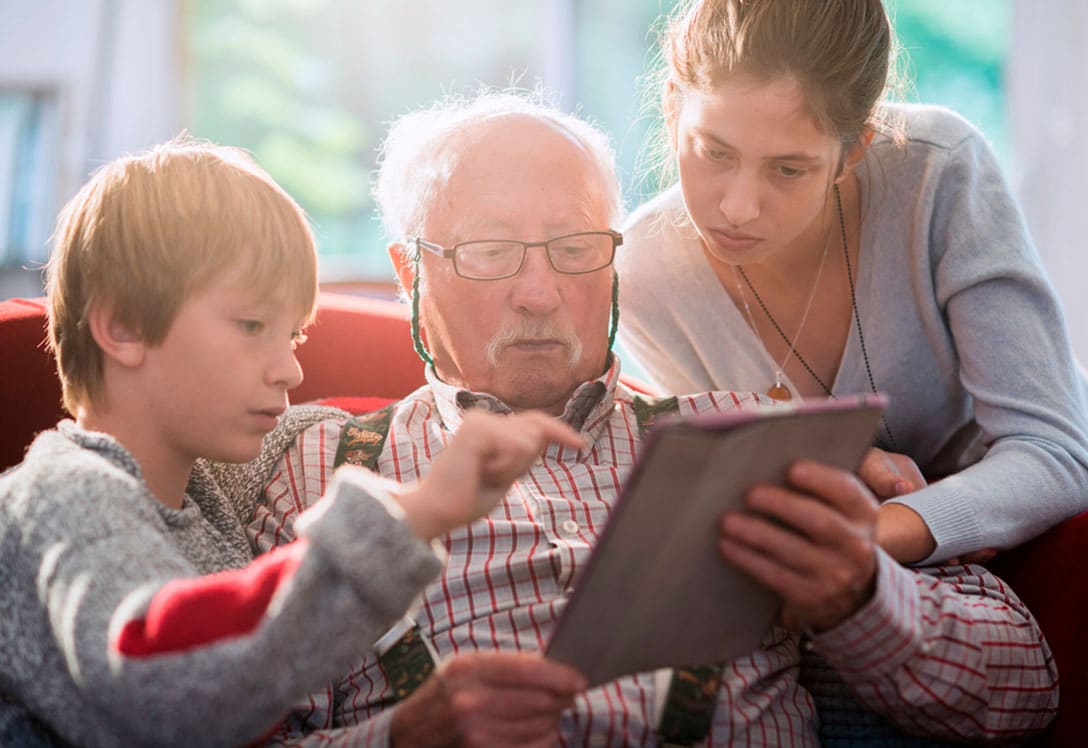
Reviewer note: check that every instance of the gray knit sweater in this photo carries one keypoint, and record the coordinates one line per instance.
(962, 330)
(85, 548)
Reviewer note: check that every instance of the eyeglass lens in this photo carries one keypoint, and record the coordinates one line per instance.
(574, 254)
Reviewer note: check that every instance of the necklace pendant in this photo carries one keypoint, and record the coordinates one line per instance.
(780, 392)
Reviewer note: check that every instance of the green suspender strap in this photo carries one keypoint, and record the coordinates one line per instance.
(693, 691)
(362, 439)
(408, 662)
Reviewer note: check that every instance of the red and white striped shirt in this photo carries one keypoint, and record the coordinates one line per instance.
(951, 652)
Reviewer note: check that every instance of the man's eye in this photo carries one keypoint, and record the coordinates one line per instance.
(488, 252)
(571, 250)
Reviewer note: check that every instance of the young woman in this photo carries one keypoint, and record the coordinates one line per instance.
(820, 242)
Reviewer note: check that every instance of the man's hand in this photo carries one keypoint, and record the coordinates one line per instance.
(813, 542)
(477, 467)
(488, 699)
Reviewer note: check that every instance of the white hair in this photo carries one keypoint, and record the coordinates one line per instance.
(414, 163)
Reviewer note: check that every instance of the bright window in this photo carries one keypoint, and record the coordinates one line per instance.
(309, 85)
(28, 140)
(955, 54)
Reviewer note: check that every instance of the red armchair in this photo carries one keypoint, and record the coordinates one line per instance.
(359, 351)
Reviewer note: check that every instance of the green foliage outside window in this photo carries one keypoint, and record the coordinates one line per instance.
(308, 85)
(955, 54)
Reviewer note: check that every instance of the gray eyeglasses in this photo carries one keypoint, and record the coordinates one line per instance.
(495, 259)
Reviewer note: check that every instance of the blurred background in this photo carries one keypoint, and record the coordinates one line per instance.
(309, 85)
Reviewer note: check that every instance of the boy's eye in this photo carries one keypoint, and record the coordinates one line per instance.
(298, 337)
(251, 326)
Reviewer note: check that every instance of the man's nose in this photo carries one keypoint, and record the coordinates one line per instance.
(536, 286)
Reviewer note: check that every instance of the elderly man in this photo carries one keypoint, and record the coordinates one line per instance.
(503, 211)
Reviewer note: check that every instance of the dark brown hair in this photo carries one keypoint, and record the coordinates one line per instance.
(841, 52)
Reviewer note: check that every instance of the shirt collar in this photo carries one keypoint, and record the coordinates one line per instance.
(586, 410)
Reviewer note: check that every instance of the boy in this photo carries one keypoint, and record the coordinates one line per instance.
(133, 613)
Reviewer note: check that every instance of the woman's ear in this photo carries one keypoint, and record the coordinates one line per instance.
(854, 154)
(400, 256)
(670, 107)
(116, 338)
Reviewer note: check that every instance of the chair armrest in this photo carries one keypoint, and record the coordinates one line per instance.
(1050, 574)
(358, 347)
(29, 387)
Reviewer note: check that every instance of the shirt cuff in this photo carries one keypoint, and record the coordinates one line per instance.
(884, 633)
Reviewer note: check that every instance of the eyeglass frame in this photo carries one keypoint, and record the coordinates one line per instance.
(451, 252)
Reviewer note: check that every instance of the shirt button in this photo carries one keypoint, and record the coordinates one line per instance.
(569, 528)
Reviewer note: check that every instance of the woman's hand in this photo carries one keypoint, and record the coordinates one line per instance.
(890, 474)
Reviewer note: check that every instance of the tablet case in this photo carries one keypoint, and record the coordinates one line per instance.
(655, 592)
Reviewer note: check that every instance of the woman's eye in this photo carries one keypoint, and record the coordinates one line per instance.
(790, 172)
(711, 154)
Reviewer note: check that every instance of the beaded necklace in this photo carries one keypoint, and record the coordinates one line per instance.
(779, 391)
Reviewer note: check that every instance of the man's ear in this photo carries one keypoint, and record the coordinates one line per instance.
(400, 256)
(116, 339)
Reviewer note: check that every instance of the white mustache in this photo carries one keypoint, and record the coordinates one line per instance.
(533, 330)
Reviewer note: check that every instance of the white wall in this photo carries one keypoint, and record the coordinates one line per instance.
(107, 107)
(1048, 103)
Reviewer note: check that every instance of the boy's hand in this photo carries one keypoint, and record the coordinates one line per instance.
(478, 466)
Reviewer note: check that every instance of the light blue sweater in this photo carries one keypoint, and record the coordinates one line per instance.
(963, 331)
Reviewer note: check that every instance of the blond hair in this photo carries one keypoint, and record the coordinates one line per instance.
(842, 54)
(148, 231)
(415, 160)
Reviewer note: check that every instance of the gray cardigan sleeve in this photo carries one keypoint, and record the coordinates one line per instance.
(355, 570)
(1015, 362)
